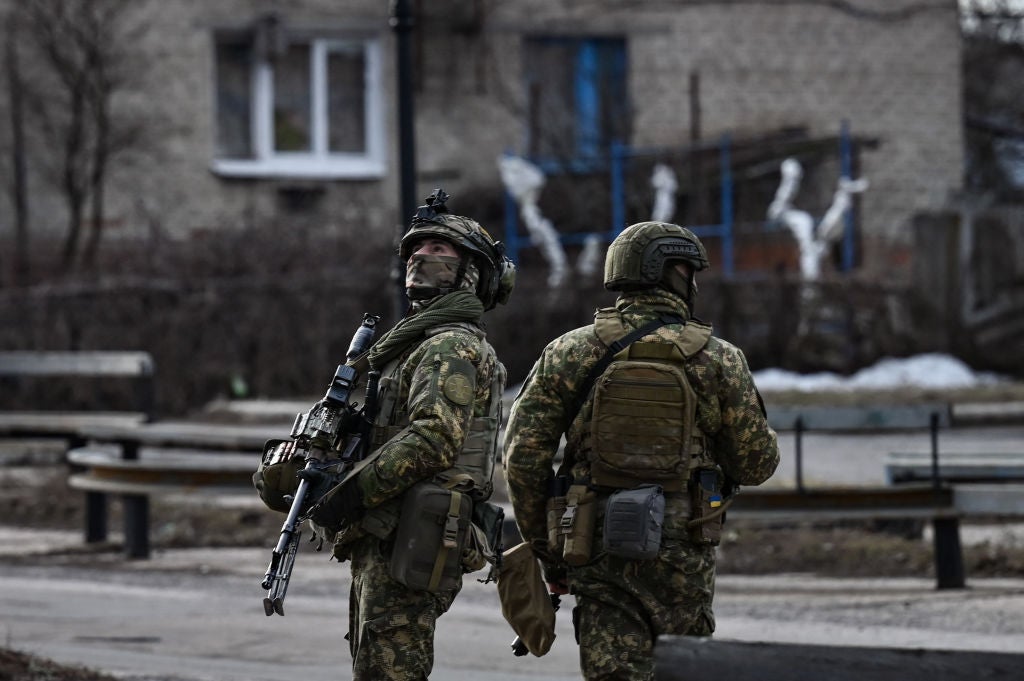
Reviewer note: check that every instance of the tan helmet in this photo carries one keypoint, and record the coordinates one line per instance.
(636, 258)
(497, 272)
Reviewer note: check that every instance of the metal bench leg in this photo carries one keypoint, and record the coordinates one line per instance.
(95, 517)
(136, 525)
(949, 559)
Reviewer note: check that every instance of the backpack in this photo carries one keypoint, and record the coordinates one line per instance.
(642, 428)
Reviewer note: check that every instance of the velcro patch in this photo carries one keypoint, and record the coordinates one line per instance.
(458, 388)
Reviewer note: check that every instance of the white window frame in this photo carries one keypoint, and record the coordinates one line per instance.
(318, 163)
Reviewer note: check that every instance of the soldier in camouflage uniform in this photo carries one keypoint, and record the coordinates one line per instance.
(444, 380)
(623, 605)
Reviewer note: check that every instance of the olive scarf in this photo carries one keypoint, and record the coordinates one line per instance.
(458, 306)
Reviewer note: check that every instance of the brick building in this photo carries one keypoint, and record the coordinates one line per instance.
(284, 113)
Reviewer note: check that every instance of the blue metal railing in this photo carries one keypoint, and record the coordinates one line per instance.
(618, 159)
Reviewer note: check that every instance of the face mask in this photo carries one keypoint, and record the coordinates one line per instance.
(683, 286)
(427, 276)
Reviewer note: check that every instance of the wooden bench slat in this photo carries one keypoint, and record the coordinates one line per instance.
(89, 363)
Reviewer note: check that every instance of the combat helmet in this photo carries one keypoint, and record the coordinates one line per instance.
(497, 272)
(637, 257)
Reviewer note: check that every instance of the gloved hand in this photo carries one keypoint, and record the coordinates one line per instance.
(344, 506)
(320, 483)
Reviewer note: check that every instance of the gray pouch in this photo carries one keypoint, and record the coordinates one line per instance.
(632, 522)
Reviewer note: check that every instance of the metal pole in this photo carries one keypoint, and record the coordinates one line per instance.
(402, 23)
(799, 437)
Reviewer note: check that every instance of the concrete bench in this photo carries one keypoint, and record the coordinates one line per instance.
(904, 467)
(136, 462)
(55, 421)
(48, 421)
(924, 417)
(911, 502)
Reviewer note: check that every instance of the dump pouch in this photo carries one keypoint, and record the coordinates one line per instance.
(578, 524)
(432, 533)
(525, 602)
(633, 520)
(707, 515)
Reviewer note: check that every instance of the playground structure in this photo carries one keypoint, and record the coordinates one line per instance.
(723, 227)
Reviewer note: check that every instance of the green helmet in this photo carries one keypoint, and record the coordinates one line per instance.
(497, 272)
(637, 257)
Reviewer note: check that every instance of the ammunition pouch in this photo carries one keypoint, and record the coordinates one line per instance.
(577, 524)
(633, 521)
(432, 533)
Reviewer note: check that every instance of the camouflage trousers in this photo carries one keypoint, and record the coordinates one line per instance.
(391, 627)
(622, 606)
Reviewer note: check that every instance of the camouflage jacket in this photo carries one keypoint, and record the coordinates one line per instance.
(730, 413)
(442, 383)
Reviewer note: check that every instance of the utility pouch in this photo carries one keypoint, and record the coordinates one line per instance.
(432, 533)
(558, 487)
(707, 516)
(577, 524)
(556, 533)
(633, 520)
(485, 538)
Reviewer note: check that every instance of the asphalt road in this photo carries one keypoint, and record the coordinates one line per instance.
(196, 615)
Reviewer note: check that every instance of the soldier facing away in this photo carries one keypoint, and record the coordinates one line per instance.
(433, 449)
(662, 421)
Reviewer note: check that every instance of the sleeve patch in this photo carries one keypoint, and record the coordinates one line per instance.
(458, 388)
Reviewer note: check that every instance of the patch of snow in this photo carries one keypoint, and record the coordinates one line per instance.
(932, 370)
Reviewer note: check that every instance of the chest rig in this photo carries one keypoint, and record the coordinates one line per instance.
(473, 471)
(642, 427)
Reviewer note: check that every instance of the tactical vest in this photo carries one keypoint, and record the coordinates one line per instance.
(642, 427)
(473, 471)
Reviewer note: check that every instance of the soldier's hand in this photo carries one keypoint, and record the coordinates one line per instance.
(320, 483)
(344, 506)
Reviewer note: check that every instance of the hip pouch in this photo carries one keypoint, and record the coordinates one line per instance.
(577, 524)
(431, 535)
(632, 522)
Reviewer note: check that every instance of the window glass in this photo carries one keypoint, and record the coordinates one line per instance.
(346, 88)
(310, 109)
(234, 100)
(577, 95)
(292, 96)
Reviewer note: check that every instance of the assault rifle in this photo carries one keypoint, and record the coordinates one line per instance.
(318, 436)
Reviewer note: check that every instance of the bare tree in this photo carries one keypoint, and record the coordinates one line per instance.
(83, 49)
(18, 186)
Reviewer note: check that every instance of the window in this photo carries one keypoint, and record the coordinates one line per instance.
(298, 107)
(578, 99)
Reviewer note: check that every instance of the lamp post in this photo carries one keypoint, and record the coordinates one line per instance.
(402, 23)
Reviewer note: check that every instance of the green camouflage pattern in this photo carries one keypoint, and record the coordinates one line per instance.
(391, 627)
(443, 382)
(438, 424)
(624, 605)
